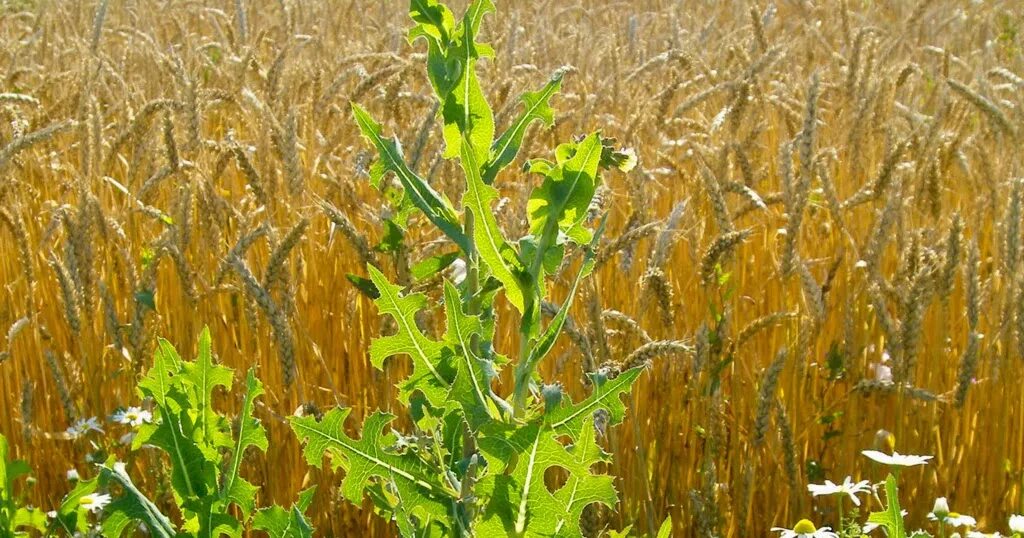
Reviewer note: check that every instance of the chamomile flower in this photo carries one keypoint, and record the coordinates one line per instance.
(940, 509)
(848, 487)
(83, 426)
(896, 459)
(133, 416)
(94, 502)
(805, 529)
(976, 534)
(1017, 523)
(954, 519)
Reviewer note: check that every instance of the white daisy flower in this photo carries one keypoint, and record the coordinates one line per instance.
(848, 487)
(896, 459)
(83, 426)
(1017, 523)
(73, 475)
(976, 534)
(805, 529)
(52, 514)
(954, 519)
(941, 508)
(94, 502)
(133, 416)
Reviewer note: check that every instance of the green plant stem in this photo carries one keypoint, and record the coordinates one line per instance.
(842, 526)
(524, 370)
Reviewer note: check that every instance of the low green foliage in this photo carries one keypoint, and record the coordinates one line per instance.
(205, 455)
(16, 519)
(475, 462)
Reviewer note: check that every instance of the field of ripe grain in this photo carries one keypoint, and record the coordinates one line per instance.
(822, 240)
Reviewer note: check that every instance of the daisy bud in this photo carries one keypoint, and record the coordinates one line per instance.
(941, 508)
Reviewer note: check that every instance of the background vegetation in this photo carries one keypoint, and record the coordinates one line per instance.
(840, 181)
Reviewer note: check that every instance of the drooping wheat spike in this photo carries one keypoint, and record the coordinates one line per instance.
(972, 281)
(667, 237)
(275, 276)
(755, 22)
(241, 246)
(720, 248)
(987, 107)
(290, 155)
(348, 229)
(242, 21)
(968, 366)
(665, 58)
(629, 323)
(252, 177)
(720, 210)
(27, 408)
(62, 385)
(951, 257)
(26, 141)
(597, 332)
(278, 321)
(170, 146)
(110, 319)
(1011, 239)
(17, 229)
(625, 241)
(766, 396)
(812, 293)
(69, 293)
(656, 284)
(652, 350)
(186, 278)
(916, 302)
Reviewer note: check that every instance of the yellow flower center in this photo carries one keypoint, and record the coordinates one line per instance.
(953, 515)
(86, 501)
(804, 526)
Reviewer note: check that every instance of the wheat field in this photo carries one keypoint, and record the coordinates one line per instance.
(822, 239)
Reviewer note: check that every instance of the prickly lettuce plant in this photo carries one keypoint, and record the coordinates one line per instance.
(205, 454)
(476, 460)
(16, 519)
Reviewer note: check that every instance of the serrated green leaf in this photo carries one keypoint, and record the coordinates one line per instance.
(161, 382)
(433, 265)
(500, 258)
(193, 470)
(132, 506)
(520, 503)
(468, 119)
(892, 517)
(472, 386)
(568, 188)
(431, 375)
(236, 489)
(203, 376)
(438, 210)
(570, 418)
(369, 459)
(537, 107)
